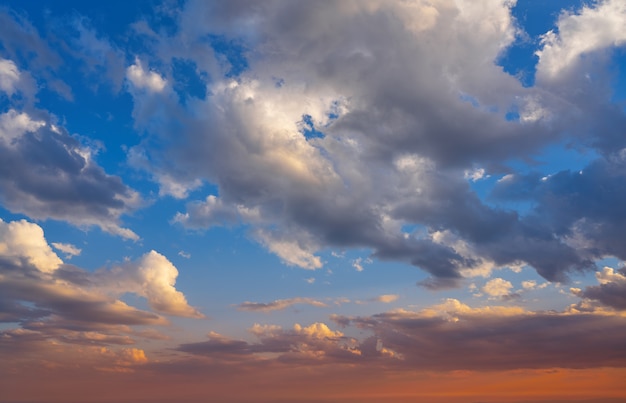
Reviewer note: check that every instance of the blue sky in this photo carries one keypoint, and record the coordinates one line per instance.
(199, 185)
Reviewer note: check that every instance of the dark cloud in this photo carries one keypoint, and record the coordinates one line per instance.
(310, 344)
(400, 122)
(494, 342)
(46, 173)
(610, 292)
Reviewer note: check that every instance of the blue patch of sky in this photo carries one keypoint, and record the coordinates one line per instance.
(232, 52)
(188, 83)
(308, 129)
(554, 158)
(535, 17)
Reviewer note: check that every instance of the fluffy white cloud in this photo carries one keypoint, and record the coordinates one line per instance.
(292, 251)
(23, 243)
(610, 275)
(152, 276)
(9, 76)
(497, 287)
(595, 27)
(145, 79)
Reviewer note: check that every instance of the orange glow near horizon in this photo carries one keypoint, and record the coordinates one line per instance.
(322, 384)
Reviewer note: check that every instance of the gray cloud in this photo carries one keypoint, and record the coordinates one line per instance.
(279, 304)
(404, 98)
(399, 126)
(53, 302)
(463, 339)
(46, 173)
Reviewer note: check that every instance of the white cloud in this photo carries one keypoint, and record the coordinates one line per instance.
(22, 242)
(609, 275)
(292, 251)
(9, 76)
(386, 298)
(14, 124)
(152, 276)
(497, 287)
(593, 28)
(69, 249)
(475, 175)
(529, 284)
(145, 79)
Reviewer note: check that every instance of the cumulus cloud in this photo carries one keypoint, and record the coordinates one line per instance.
(344, 187)
(145, 79)
(55, 302)
(152, 276)
(47, 173)
(23, 244)
(309, 152)
(593, 28)
(497, 287)
(611, 291)
(378, 162)
(279, 304)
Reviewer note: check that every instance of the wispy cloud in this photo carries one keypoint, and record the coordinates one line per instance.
(279, 304)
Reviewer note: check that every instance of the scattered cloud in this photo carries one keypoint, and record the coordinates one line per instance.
(58, 303)
(145, 80)
(279, 304)
(68, 249)
(497, 287)
(386, 298)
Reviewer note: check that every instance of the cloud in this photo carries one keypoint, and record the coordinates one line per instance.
(145, 80)
(386, 298)
(454, 336)
(23, 244)
(9, 76)
(497, 287)
(69, 249)
(53, 302)
(592, 28)
(279, 304)
(152, 276)
(450, 336)
(611, 291)
(316, 343)
(337, 190)
(309, 152)
(46, 173)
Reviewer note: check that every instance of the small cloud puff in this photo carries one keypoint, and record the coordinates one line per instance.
(143, 79)
(279, 304)
(497, 287)
(69, 249)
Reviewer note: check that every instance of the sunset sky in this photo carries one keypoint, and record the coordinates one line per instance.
(350, 201)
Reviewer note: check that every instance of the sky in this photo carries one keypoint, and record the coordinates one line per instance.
(312, 201)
